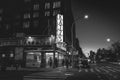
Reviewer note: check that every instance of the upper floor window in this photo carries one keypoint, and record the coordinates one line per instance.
(26, 15)
(27, 0)
(1, 11)
(7, 26)
(47, 5)
(26, 24)
(55, 12)
(47, 13)
(35, 23)
(36, 7)
(35, 14)
(0, 18)
(56, 4)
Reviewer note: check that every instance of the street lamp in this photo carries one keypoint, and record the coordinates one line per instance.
(85, 17)
(108, 39)
(79, 18)
(111, 40)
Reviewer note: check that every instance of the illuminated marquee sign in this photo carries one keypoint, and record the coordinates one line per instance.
(59, 29)
(59, 33)
(38, 41)
(9, 42)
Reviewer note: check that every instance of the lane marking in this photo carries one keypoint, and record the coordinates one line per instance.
(111, 70)
(68, 74)
(86, 70)
(97, 70)
(114, 68)
(91, 70)
(110, 75)
(104, 70)
(79, 70)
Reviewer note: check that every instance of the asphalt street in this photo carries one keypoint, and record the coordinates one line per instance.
(102, 71)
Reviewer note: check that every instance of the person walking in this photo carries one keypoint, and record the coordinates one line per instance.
(50, 62)
(56, 62)
(67, 63)
(79, 64)
(63, 62)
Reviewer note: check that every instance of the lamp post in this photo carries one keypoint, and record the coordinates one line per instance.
(108, 39)
(85, 17)
(78, 18)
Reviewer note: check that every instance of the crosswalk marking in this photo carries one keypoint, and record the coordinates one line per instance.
(43, 78)
(111, 70)
(108, 71)
(115, 68)
(103, 69)
(97, 70)
(80, 70)
(91, 70)
(35, 79)
(86, 70)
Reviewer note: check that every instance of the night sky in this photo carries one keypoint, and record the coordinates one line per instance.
(103, 23)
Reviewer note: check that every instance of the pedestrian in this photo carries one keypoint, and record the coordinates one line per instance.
(67, 63)
(63, 62)
(79, 64)
(50, 62)
(56, 62)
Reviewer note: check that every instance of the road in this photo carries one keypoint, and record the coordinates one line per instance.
(102, 71)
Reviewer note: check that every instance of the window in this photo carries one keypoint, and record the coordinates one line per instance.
(1, 11)
(36, 23)
(0, 18)
(26, 24)
(56, 4)
(36, 7)
(36, 15)
(47, 13)
(55, 12)
(27, 0)
(26, 15)
(7, 26)
(47, 5)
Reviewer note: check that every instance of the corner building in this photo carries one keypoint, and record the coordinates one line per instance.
(41, 29)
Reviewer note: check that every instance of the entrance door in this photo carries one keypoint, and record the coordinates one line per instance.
(33, 59)
(48, 56)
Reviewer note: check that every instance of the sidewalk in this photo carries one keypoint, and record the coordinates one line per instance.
(30, 69)
(54, 74)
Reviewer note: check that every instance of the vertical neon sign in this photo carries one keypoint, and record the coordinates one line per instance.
(59, 29)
